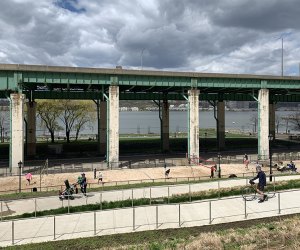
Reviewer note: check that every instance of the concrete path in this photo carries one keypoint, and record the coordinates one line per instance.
(145, 218)
(16, 207)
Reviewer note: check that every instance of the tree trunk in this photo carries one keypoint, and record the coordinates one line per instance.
(68, 136)
(77, 134)
(52, 136)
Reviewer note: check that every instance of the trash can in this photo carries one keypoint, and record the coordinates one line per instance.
(34, 189)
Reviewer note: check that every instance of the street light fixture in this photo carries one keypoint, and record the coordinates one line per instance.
(271, 138)
(20, 163)
(219, 161)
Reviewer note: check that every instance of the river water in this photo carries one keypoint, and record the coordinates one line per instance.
(145, 122)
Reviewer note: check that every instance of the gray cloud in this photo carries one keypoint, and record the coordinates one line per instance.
(267, 15)
(230, 36)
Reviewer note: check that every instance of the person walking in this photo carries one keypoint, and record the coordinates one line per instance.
(95, 173)
(212, 171)
(246, 161)
(83, 184)
(28, 177)
(100, 177)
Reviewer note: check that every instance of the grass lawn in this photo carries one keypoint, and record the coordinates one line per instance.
(141, 143)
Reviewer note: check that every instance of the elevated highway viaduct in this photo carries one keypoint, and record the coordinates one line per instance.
(23, 84)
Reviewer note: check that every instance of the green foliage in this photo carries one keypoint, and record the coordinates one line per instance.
(49, 112)
(156, 246)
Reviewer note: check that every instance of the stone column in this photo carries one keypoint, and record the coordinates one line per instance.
(113, 127)
(193, 140)
(221, 124)
(263, 124)
(165, 126)
(272, 119)
(103, 127)
(16, 153)
(31, 128)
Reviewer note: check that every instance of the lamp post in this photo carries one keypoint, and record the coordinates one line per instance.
(142, 52)
(20, 163)
(219, 162)
(205, 144)
(270, 154)
(282, 56)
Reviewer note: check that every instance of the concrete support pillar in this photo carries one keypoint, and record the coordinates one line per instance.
(103, 127)
(113, 126)
(16, 153)
(221, 124)
(165, 127)
(193, 140)
(263, 124)
(272, 122)
(31, 128)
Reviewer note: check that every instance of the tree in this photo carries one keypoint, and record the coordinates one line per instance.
(86, 117)
(287, 119)
(2, 125)
(277, 123)
(295, 120)
(74, 115)
(49, 112)
(254, 121)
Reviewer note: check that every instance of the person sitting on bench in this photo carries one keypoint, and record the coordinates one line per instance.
(292, 166)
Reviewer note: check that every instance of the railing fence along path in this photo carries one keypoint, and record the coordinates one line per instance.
(154, 194)
(142, 218)
(151, 163)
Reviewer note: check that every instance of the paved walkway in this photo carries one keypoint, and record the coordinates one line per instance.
(145, 218)
(16, 207)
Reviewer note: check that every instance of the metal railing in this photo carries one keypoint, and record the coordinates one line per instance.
(84, 167)
(132, 219)
(153, 193)
(276, 157)
(119, 183)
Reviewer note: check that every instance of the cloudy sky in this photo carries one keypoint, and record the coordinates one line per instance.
(224, 36)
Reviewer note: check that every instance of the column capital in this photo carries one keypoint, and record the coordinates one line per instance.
(193, 92)
(114, 80)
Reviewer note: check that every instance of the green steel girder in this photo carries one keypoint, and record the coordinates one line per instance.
(10, 80)
(4, 94)
(89, 95)
(65, 78)
(285, 98)
(22, 77)
(92, 95)
(159, 81)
